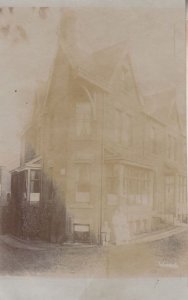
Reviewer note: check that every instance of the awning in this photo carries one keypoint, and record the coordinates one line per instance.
(35, 163)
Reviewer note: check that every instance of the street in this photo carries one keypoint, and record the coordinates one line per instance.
(166, 257)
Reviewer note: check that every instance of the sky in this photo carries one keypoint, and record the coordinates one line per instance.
(155, 39)
(27, 47)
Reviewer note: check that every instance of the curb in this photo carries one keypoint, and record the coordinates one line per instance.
(18, 243)
(15, 242)
(159, 236)
(22, 244)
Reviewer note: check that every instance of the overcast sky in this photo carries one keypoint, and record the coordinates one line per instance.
(28, 40)
(27, 48)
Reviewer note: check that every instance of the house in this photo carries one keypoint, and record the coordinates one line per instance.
(99, 162)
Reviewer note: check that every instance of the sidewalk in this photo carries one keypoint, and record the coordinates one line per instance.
(45, 246)
(158, 235)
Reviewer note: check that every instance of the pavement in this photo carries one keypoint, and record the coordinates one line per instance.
(162, 253)
(158, 235)
(38, 245)
(45, 246)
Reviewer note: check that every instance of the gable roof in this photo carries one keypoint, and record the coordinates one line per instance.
(161, 105)
(102, 63)
(97, 66)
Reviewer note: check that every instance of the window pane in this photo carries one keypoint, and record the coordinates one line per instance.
(35, 174)
(35, 186)
(83, 178)
(83, 119)
(35, 181)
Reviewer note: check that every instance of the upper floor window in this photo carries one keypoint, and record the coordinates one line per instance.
(51, 131)
(171, 147)
(112, 179)
(35, 181)
(181, 187)
(123, 128)
(83, 119)
(117, 126)
(83, 182)
(169, 193)
(184, 152)
(153, 138)
(38, 140)
(127, 129)
(35, 186)
(137, 185)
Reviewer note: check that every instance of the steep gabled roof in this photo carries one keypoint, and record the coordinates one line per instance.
(102, 63)
(40, 97)
(97, 66)
(161, 105)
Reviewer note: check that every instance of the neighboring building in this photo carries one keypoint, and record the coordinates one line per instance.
(4, 185)
(169, 149)
(26, 179)
(5, 180)
(108, 163)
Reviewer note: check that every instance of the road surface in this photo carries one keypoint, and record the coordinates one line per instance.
(166, 257)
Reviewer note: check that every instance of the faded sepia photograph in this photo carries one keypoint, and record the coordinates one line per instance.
(93, 151)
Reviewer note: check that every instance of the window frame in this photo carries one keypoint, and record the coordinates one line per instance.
(78, 182)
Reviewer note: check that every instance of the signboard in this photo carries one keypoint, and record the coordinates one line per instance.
(34, 197)
(81, 228)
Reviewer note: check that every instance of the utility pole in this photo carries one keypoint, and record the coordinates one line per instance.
(102, 169)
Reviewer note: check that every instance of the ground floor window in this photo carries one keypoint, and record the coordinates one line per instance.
(170, 194)
(182, 187)
(139, 226)
(138, 185)
(81, 233)
(112, 179)
(181, 198)
(35, 185)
